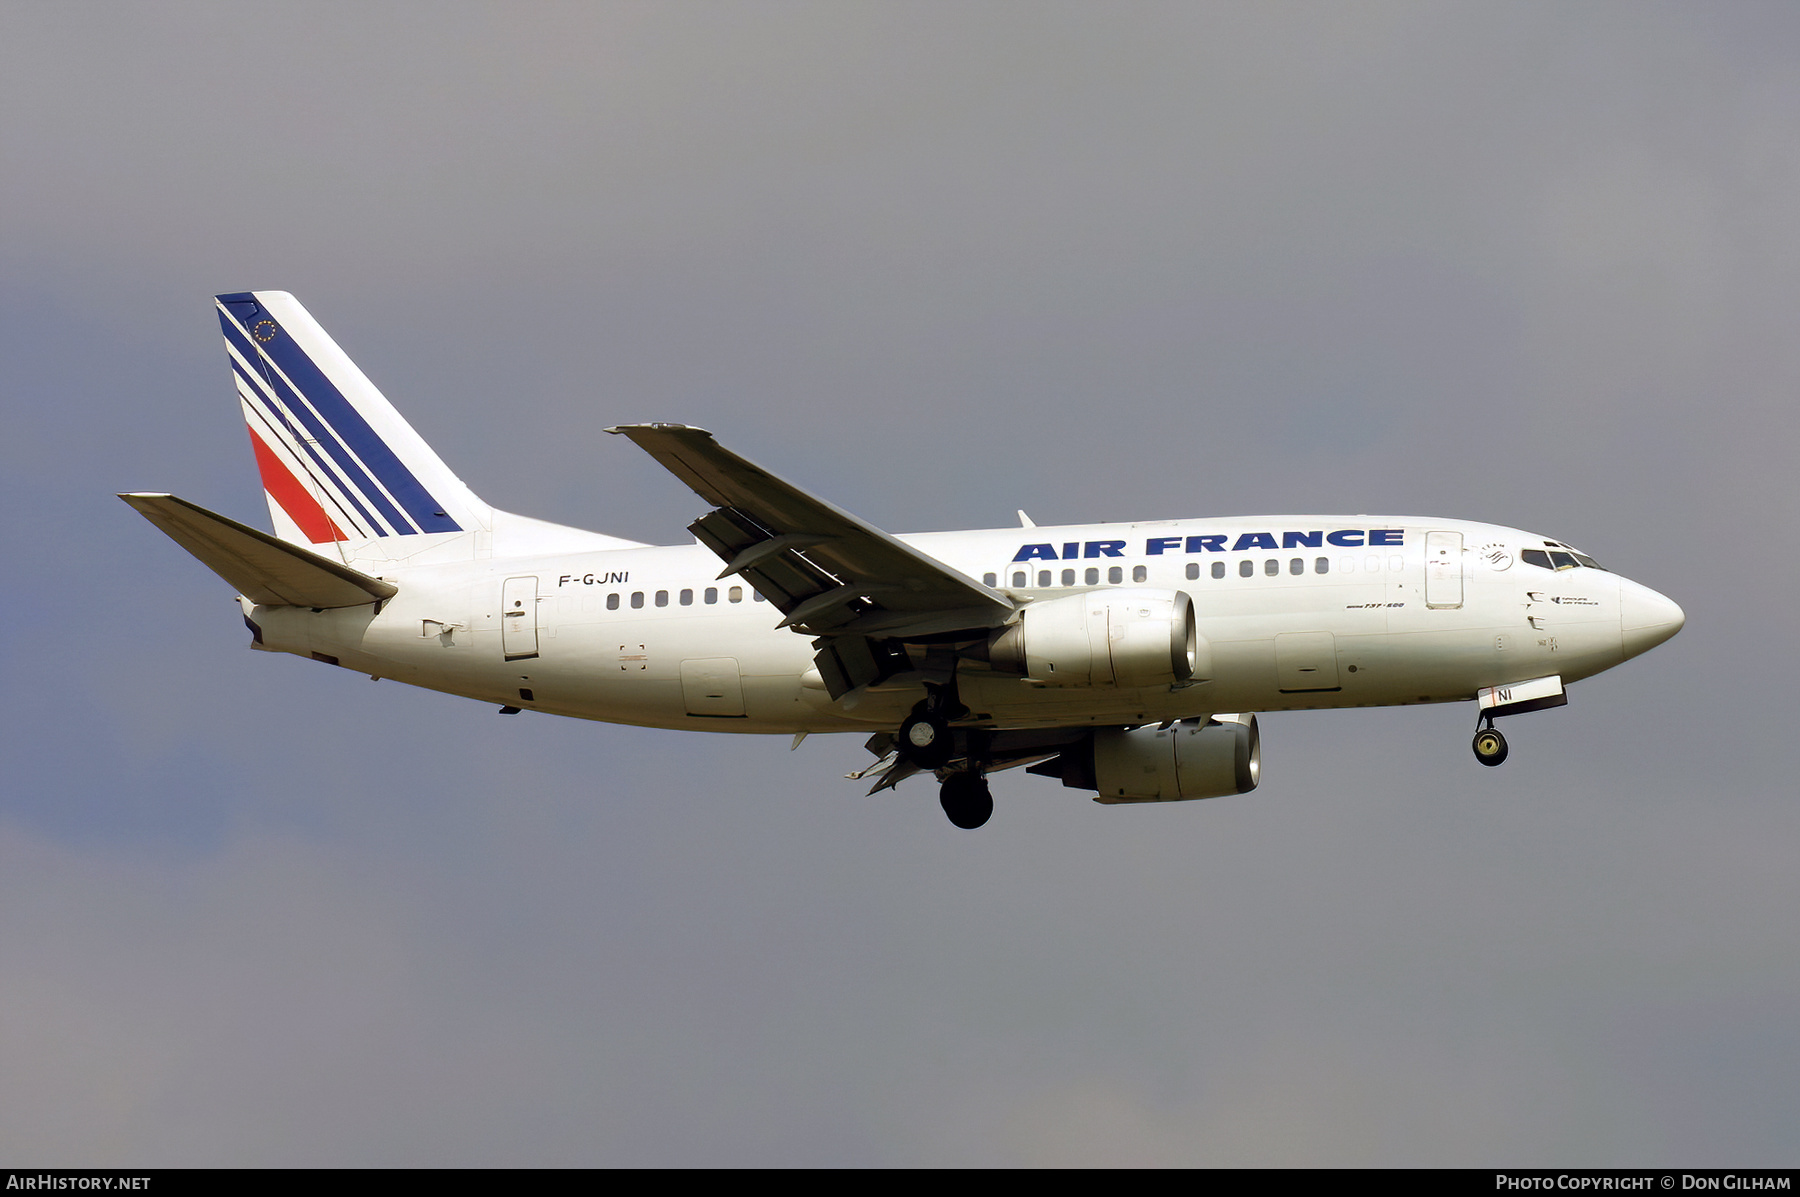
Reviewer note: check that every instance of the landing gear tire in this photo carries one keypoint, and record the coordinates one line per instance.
(966, 799)
(926, 742)
(1490, 746)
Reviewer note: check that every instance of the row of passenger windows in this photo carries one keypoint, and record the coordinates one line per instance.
(1115, 576)
(734, 594)
(1246, 568)
(1271, 567)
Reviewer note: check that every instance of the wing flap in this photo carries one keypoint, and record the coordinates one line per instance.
(264, 569)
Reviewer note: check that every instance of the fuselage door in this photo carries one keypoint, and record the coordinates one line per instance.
(1305, 662)
(712, 686)
(519, 618)
(1443, 570)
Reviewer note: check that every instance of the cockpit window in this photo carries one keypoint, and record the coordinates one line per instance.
(1558, 558)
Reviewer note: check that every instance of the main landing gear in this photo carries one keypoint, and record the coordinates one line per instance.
(927, 742)
(966, 799)
(1489, 745)
(925, 738)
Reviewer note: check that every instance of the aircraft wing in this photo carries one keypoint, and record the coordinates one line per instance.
(830, 574)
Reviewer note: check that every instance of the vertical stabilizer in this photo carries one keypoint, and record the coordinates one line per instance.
(338, 463)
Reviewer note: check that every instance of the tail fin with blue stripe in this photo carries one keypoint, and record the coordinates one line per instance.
(338, 463)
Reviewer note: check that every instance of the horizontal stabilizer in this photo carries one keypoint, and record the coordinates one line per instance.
(264, 569)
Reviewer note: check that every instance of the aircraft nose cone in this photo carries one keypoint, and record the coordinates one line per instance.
(1646, 618)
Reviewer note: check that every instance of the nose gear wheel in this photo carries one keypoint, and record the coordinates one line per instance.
(1489, 746)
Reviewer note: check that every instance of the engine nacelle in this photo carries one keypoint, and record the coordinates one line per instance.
(1189, 760)
(1117, 637)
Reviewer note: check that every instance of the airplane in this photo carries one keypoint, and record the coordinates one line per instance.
(1126, 660)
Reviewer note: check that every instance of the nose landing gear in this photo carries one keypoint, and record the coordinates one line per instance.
(1490, 746)
(1513, 698)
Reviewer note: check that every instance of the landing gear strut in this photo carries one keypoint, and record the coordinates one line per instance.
(966, 799)
(1489, 745)
(925, 738)
(926, 742)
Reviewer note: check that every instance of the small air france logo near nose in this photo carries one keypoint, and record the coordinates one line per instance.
(263, 330)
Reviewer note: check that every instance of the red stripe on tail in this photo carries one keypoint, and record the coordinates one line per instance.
(301, 507)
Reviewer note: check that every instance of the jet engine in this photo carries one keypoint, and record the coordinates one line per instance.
(1116, 637)
(1192, 759)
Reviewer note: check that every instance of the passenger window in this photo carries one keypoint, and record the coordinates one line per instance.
(1346, 565)
(735, 594)
(637, 599)
(1115, 575)
(1139, 573)
(1271, 567)
(712, 594)
(1322, 565)
(612, 602)
(662, 598)
(687, 598)
(1068, 577)
(1246, 568)
(1372, 564)
(1093, 577)
(990, 579)
(1297, 565)
(1019, 579)
(1193, 570)
(1043, 577)
(1218, 570)
(1396, 563)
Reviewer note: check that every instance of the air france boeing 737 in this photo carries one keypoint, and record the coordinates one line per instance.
(1122, 659)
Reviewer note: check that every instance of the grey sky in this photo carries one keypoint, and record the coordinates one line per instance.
(1534, 264)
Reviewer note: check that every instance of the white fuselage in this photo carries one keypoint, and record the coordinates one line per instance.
(1310, 612)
